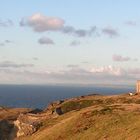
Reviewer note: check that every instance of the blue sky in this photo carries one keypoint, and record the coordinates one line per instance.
(69, 42)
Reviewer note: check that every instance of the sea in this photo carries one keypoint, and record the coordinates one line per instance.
(39, 96)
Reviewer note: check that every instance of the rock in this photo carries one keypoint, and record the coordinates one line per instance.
(35, 111)
(5, 129)
(58, 111)
(27, 124)
(131, 94)
(54, 107)
(24, 129)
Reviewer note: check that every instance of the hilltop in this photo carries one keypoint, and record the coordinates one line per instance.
(92, 117)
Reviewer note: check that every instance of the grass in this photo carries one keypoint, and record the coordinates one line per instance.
(87, 125)
(104, 111)
(104, 119)
(77, 105)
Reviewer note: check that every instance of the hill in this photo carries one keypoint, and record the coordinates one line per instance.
(93, 117)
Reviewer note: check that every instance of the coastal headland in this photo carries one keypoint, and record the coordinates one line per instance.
(90, 117)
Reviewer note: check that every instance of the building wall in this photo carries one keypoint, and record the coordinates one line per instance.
(138, 87)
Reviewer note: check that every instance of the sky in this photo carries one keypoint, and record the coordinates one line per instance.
(69, 42)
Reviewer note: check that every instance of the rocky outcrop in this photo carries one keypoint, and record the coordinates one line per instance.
(6, 128)
(57, 111)
(24, 129)
(54, 108)
(7, 117)
(27, 124)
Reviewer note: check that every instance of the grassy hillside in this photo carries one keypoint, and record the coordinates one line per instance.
(94, 118)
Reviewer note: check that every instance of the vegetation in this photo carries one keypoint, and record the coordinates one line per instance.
(77, 105)
(94, 118)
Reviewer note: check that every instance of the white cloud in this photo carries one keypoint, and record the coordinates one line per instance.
(108, 70)
(41, 23)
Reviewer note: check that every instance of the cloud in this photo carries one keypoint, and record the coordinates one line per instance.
(131, 23)
(85, 62)
(8, 41)
(35, 58)
(72, 66)
(119, 58)
(108, 70)
(68, 29)
(75, 43)
(77, 75)
(79, 32)
(10, 64)
(6, 23)
(45, 40)
(135, 71)
(41, 23)
(4, 43)
(110, 32)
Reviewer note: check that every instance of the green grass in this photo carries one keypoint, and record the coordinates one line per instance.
(76, 105)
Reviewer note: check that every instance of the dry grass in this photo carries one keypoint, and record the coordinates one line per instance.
(110, 123)
(94, 118)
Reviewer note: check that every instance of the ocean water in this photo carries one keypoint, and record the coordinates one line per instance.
(36, 96)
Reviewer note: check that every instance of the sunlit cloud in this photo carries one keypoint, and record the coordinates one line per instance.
(108, 70)
(41, 23)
